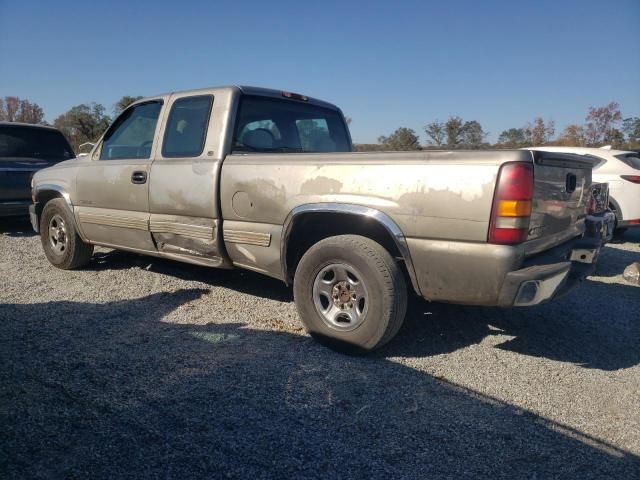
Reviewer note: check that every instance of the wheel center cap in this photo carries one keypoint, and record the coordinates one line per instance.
(344, 295)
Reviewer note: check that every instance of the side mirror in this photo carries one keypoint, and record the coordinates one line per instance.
(86, 144)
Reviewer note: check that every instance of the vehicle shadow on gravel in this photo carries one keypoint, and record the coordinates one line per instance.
(243, 281)
(16, 227)
(584, 328)
(594, 326)
(613, 260)
(113, 391)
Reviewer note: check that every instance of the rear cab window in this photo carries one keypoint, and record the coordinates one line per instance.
(18, 141)
(266, 124)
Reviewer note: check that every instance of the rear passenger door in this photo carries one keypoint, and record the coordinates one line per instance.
(183, 192)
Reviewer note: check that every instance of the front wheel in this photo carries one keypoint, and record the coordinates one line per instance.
(350, 293)
(61, 243)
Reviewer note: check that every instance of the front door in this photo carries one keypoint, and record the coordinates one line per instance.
(112, 204)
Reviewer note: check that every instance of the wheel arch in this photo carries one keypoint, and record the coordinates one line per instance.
(47, 192)
(616, 208)
(309, 223)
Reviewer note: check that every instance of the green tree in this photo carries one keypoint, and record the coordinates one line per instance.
(513, 138)
(473, 134)
(454, 128)
(402, 139)
(123, 103)
(436, 133)
(83, 123)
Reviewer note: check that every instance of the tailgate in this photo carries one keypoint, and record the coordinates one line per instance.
(15, 178)
(561, 193)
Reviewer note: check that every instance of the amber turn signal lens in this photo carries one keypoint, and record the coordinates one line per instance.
(514, 208)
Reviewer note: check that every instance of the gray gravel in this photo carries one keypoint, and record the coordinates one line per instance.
(141, 368)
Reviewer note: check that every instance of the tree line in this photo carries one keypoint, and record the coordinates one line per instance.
(80, 124)
(603, 126)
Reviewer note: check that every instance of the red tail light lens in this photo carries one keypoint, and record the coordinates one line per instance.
(512, 204)
(631, 178)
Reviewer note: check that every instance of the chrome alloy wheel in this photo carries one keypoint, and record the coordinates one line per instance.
(57, 234)
(340, 296)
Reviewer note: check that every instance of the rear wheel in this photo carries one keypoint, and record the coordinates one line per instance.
(350, 293)
(60, 241)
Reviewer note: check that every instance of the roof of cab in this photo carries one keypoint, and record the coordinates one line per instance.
(247, 90)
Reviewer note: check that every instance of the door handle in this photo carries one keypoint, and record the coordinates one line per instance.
(139, 177)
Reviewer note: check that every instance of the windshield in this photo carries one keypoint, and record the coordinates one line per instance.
(29, 142)
(273, 125)
(631, 159)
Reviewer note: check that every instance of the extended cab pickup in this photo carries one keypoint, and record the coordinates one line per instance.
(266, 180)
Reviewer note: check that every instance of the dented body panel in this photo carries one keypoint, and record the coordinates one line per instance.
(225, 208)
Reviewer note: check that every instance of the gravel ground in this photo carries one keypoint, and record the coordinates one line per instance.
(140, 368)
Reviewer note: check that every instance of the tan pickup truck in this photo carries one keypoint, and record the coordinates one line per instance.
(266, 180)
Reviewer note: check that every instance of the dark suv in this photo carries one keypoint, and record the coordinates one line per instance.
(25, 149)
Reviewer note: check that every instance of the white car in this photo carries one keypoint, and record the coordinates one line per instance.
(621, 170)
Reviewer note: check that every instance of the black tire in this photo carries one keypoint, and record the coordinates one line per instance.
(617, 231)
(70, 252)
(383, 282)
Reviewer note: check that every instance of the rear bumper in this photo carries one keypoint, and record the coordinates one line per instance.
(14, 208)
(542, 281)
(500, 275)
(550, 274)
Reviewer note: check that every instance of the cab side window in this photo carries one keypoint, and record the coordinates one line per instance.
(187, 127)
(131, 135)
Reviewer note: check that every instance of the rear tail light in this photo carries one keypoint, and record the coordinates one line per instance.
(512, 203)
(631, 178)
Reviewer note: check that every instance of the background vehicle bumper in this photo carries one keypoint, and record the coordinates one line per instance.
(34, 218)
(16, 208)
(629, 223)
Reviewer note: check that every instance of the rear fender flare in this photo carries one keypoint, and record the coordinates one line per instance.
(383, 219)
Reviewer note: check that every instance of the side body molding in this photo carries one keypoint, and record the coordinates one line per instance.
(357, 210)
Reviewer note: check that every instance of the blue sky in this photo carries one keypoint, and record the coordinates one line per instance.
(387, 64)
